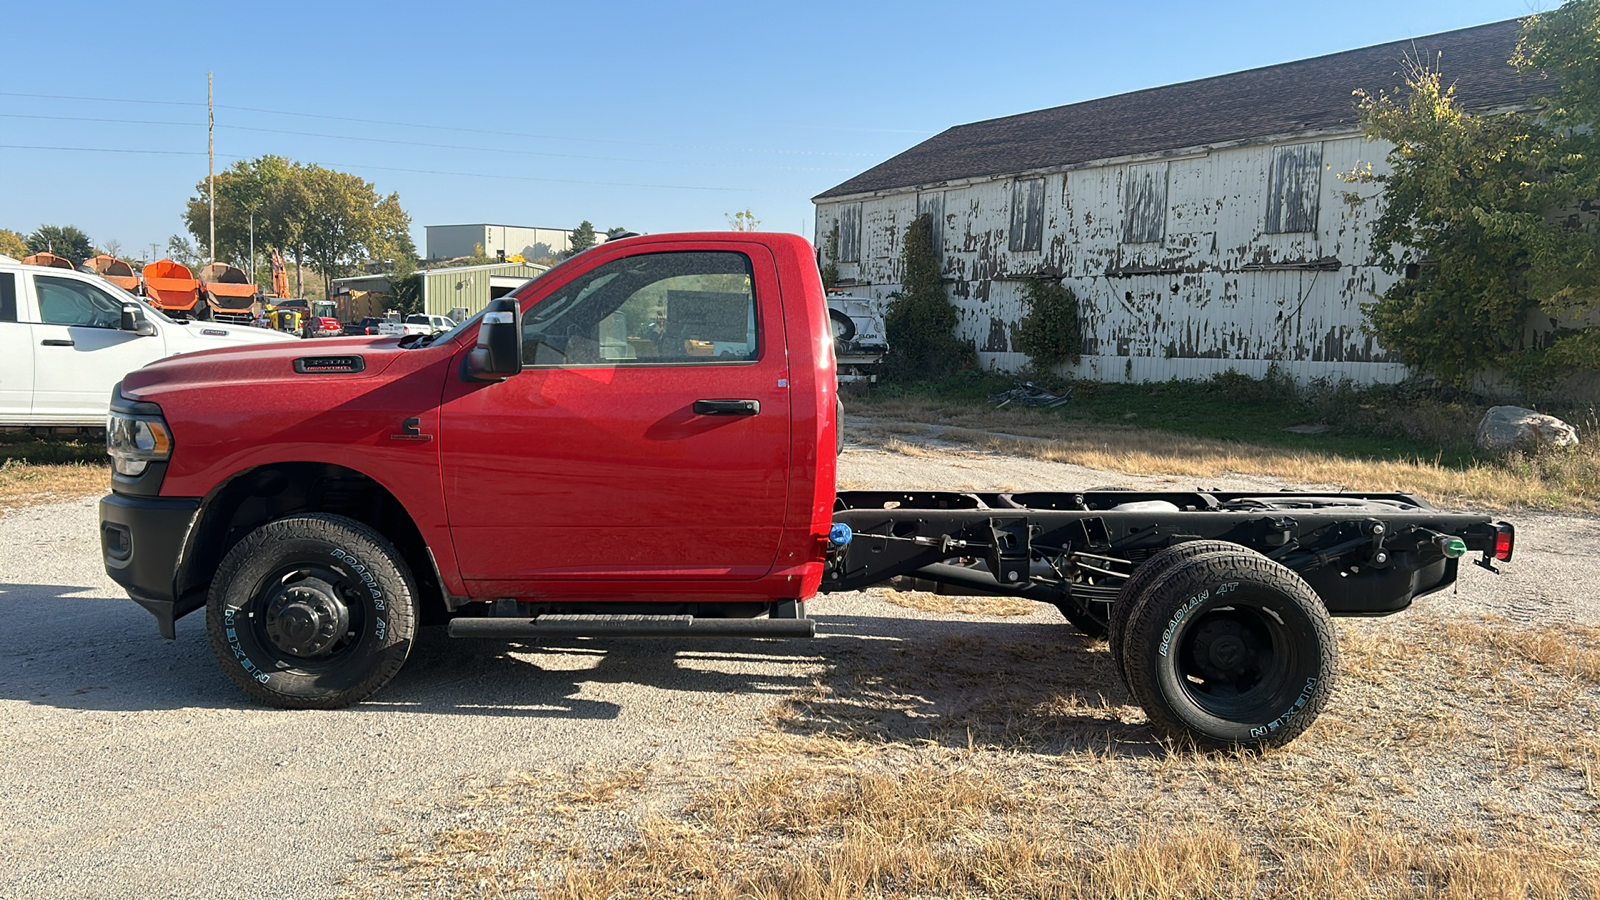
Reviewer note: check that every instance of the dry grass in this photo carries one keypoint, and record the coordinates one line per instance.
(24, 484)
(1458, 760)
(969, 606)
(1555, 480)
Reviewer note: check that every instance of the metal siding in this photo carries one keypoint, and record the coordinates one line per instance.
(1144, 206)
(1213, 290)
(1294, 188)
(441, 292)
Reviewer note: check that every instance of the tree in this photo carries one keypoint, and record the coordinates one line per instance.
(62, 240)
(744, 220)
(179, 250)
(346, 223)
(12, 244)
(582, 239)
(320, 217)
(830, 250)
(1493, 215)
(266, 194)
(920, 323)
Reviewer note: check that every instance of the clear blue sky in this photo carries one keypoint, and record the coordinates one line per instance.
(654, 116)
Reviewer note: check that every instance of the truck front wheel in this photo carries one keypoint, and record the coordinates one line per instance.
(312, 612)
(1231, 650)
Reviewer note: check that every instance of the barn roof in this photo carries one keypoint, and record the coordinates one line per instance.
(1308, 95)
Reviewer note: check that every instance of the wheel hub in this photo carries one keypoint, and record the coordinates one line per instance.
(307, 618)
(1226, 651)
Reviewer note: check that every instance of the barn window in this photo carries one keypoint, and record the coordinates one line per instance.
(850, 233)
(931, 204)
(1144, 204)
(1027, 214)
(1294, 188)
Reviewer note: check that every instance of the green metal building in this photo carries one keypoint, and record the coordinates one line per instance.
(460, 291)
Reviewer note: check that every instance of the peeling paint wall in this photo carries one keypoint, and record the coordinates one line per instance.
(1238, 258)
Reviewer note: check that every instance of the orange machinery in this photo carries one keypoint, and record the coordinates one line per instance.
(172, 288)
(229, 295)
(49, 260)
(114, 270)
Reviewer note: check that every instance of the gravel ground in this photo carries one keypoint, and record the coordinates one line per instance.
(134, 769)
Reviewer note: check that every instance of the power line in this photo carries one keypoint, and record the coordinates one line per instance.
(516, 152)
(373, 140)
(354, 166)
(103, 150)
(452, 128)
(94, 119)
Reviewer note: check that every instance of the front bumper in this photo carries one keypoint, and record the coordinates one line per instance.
(141, 543)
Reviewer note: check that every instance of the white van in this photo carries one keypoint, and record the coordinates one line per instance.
(67, 338)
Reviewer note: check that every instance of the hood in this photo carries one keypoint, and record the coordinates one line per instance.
(259, 363)
(213, 334)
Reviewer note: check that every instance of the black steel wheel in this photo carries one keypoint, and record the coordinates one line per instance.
(1134, 588)
(312, 612)
(1231, 650)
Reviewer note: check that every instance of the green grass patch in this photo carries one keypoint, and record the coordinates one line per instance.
(45, 450)
(1389, 422)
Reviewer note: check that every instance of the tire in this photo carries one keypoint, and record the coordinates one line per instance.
(838, 427)
(1084, 617)
(844, 327)
(1231, 650)
(1144, 576)
(312, 612)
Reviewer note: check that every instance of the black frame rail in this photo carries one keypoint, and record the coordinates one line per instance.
(1363, 553)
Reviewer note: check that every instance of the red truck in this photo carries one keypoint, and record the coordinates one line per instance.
(642, 443)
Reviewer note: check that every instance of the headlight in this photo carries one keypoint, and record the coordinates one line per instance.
(136, 441)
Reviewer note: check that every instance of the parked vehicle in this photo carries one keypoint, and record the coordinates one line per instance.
(418, 323)
(350, 307)
(510, 478)
(859, 341)
(174, 290)
(117, 271)
(67, 337)
(368, 325)
(229, 294)
(48, 261)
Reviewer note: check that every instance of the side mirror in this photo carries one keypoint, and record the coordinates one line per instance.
(498, 355)
(133, 320)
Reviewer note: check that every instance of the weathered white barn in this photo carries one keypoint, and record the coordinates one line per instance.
(1203, 226)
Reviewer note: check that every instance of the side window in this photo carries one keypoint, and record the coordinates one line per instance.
(67, 301)
(695, 307)
(8, 297)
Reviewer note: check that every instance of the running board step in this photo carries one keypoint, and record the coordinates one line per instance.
(629, 626)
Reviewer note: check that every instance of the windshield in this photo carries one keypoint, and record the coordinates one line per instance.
(121, 294)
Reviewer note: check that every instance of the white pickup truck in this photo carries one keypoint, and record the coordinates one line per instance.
(418, 323)
(67, 338)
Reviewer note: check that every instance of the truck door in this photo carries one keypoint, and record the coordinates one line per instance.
(647, 437)
(16, 354)
(79, 350)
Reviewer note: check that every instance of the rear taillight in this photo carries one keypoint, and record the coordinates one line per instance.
(1505, 541)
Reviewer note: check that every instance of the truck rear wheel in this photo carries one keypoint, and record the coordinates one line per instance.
(1144, 576)
(312, 612)
(1231, 650)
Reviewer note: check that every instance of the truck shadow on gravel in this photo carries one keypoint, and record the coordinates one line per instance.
(1035, 687)
(875, 678)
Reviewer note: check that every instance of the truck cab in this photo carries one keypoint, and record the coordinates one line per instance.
(67, 337)
(659, 433)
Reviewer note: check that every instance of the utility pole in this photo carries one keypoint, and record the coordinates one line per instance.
(211, 166)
